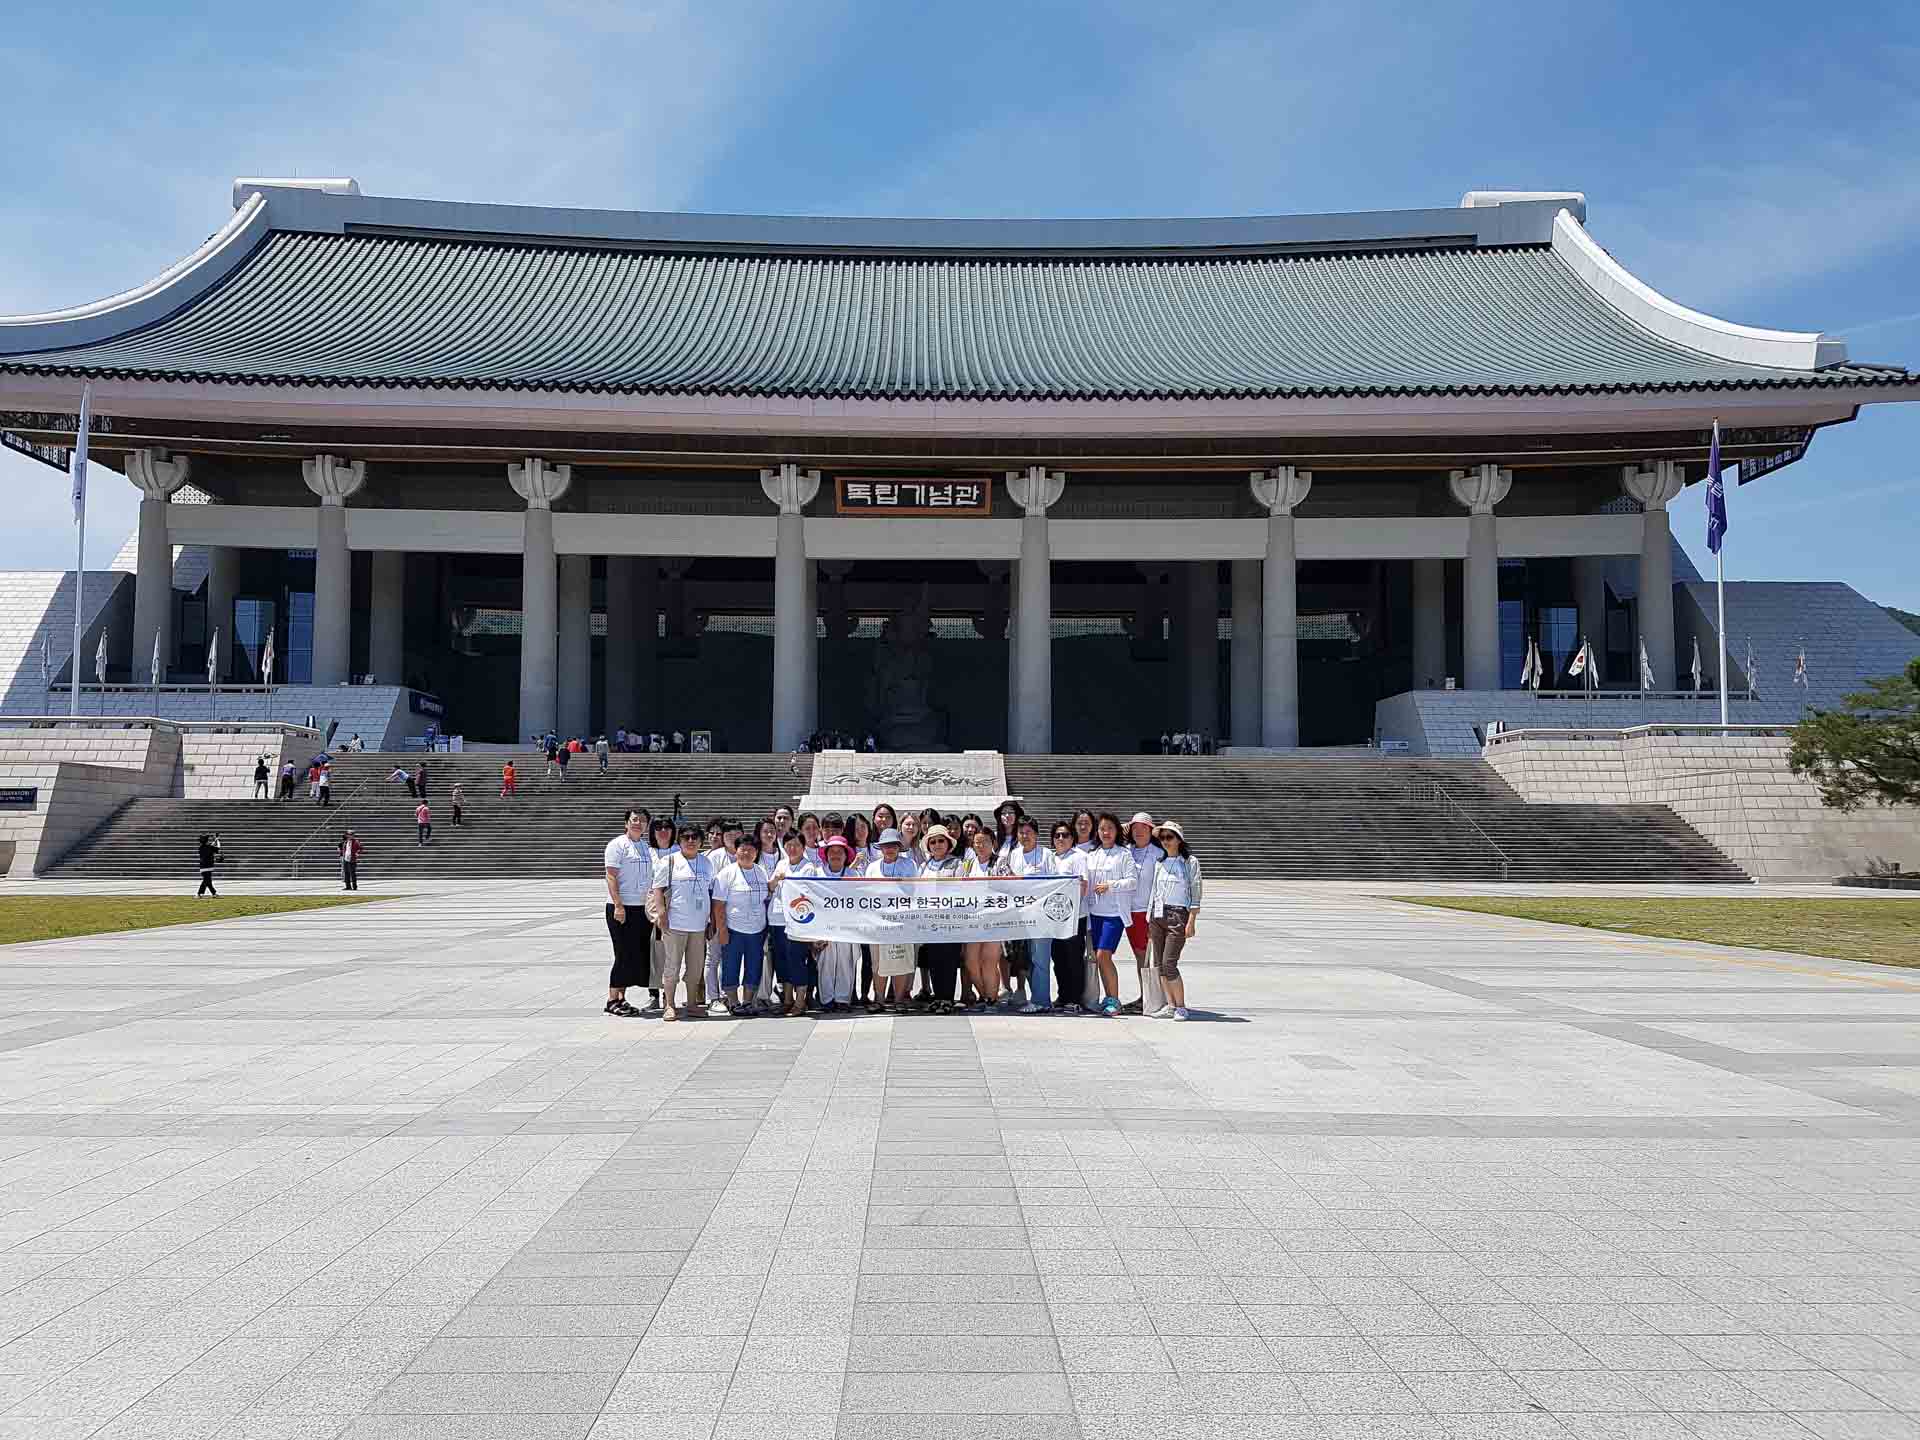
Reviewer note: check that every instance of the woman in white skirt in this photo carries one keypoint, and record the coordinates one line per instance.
(838, 960)
(893, 965)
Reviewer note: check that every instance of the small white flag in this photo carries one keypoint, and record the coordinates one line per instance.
(46, 660)
(1696, 662)
(213, 658)
(1528, 678)
(266, 662)
(80, 453)
(1753, 682)
(1646, 666)
(100, 660)
(1539, 667)
(153, 666)
(1800, 668)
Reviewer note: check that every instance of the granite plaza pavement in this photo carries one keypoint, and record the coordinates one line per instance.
(387, 1172)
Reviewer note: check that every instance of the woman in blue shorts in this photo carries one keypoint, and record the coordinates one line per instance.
(1110, 878)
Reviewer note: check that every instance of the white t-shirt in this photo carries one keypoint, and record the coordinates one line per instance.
(948, 868)
(1114, 868)
(902, 868)
(1037, 861)
(1146, 864)
(743, 890)
(689, 887)
(973, 865)
(1172, 883)
(1087, 847)
(634, 862)
(776, 907)
(1074, 862)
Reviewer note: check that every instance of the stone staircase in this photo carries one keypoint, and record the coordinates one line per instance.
(1283, 817)
(550, 828)
(1371, 818)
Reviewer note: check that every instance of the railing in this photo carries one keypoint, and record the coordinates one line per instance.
(155, 722)
(1420, 791)
(1620, 732)
(1609, 696)
(339, 813)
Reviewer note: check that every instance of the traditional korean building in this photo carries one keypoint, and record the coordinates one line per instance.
(1283, 480)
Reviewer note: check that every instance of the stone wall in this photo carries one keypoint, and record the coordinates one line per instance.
(83, 776)
(220, 767)
(1734, 788)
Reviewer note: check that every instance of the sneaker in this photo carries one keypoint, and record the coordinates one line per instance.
(1110, 1007)
(1165, 1012)
(1132, 1007)
(719, 1007)
(1031, 1009)
(1181, 1014)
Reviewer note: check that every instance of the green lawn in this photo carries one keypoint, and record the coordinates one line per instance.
(53, 917)
(1886, 932)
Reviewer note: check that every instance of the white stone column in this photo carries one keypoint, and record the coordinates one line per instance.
(791, 489)
(386, 618)
(539, 484)
(1244, 659)
(1590, 600)
(573, 668)
(1429, 623)
(333, 480)
(1278, 492)
(1200, 645)
(223, 584)
(617, 658)
(1034, 490)
(156, 475)
(1479, 490)
(1653, 487)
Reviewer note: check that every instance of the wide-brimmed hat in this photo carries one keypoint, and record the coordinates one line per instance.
(1140, 817)
(889, 836)
(1171, 825)
(937, 832)
(840, 840)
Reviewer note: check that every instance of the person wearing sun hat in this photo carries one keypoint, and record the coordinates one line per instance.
(838, 961)
(893, 965)
(1146, 862)
(1173, 915)
(942, 962)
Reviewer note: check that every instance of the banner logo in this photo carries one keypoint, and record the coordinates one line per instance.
(800, 910)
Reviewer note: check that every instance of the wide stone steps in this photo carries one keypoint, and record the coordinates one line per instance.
(1372, 818)
(1279, 817)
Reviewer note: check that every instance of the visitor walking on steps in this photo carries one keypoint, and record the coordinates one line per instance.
(420, 779)
(600, 750)
(286, 781)
(423, 822)
(561, 756)
(509, 781)
(1173, 916)
(458, 798)
(262, 778)
(326, 787)
(683, 897)
(629, 883)
(209, 857)
(401, 774)
(350, 850)
(551, 745)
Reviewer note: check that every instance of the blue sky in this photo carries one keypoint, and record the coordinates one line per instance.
(1755, 160)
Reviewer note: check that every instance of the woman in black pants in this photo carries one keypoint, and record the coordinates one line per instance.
(940, 962)
(1070, 955)
(209, 857)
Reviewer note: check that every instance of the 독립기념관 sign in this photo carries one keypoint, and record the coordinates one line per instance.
(866, 495)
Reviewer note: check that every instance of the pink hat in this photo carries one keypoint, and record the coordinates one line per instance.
(841, 841)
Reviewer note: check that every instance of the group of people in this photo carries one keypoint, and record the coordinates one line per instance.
(1187, 742)
(838, 740)
(702, 908)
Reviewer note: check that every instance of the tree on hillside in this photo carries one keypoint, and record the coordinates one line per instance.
(1869, 749)
(1905, 617)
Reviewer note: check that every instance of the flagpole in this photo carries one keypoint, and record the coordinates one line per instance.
(1720, 593)
(78, 464)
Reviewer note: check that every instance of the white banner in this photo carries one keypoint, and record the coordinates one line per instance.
(921, 912)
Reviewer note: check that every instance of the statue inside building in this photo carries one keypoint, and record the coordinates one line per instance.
(897, 707)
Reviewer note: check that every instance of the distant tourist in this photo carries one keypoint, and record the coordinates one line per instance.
(459, 800)
(420, 779)
(509, 781)
(423, 822)
(600, 749)
(873, 745)
(629, 870)
(350, 850)
(561, 756)
(551, 745)
(326, 786)
(209, 857)
(286, 781)
(262, 779)
(401, 775)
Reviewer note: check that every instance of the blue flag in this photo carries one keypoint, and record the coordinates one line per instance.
(1716, 497)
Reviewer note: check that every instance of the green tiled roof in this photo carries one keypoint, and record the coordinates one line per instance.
(314, 308)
